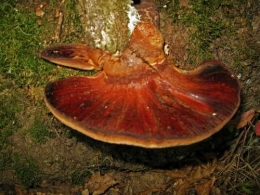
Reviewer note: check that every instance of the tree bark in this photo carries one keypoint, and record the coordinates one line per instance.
(105, 23)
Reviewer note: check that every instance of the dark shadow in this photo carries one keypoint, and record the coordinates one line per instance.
(174, 157)
(136, 2)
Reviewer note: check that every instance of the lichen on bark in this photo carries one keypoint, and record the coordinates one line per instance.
(105, 23)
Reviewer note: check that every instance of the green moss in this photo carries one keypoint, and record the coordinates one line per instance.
(20, 42)
(7, 112)
(75, 31)
(38, 131)
(249, 187)
(4, 134)
(5, 161)
(9, 107)
(9, 123)
(7, 115)
(78, 177)
(204, 21)
(25, 169)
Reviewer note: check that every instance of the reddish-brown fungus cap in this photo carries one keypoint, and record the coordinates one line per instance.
(78, 56)
(155, 109)
(139, 98)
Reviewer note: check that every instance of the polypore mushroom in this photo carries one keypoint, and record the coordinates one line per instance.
(139, 98)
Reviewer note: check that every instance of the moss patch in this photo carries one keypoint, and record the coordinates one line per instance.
(25, 170)
(38, 131)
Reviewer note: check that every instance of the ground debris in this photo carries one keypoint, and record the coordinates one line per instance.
(205, 187)
(245, 118)
(98, 184)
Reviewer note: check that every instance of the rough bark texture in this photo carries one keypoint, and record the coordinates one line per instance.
(105, 23)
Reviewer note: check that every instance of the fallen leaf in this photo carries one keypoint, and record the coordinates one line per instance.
(180, 187)
(19, 190)
(85, 192)
(184, 3)
(245, 118)
(98, 184)
(39, 10)
(205, 188)
(176, 174)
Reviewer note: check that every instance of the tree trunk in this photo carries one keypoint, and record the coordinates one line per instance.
(105, 23)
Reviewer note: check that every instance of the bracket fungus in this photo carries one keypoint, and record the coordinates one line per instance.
(139, 98)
